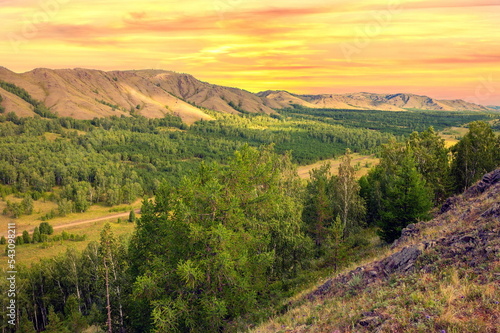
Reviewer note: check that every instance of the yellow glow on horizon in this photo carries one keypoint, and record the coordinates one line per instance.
(441, 48)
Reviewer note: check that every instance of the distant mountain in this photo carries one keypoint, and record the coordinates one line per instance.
(494, 107)
(369, 101)
(87, 93)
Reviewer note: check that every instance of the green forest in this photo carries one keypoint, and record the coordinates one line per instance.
(227, 230)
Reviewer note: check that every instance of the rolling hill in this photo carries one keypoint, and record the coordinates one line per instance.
(86, 93)
(368, 101)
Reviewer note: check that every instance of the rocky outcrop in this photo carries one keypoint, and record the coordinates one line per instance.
(484, 184)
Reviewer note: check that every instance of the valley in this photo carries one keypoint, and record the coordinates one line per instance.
(213, 204)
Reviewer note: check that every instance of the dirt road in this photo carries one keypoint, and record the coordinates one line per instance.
(79, 222)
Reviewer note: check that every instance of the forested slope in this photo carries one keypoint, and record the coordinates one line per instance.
(222, 247)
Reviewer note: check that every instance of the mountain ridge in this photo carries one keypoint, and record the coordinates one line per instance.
(87, 93)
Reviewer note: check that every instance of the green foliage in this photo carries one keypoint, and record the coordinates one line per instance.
(25, 207)
(112, 106)
(45, 228)
(476, 154)
(227, 232)
(3, 240)
(25, 325)
(26, 237)
(75, 321)
(346, 199)
(37, 238)
(131, 216)
(432, 162)
(18, 91)
(396, 123)
(56, 325)
(318, 209)
(117, 159)
(396, 192)
(38, 107)
(2, 109)
(229, 235)
(330, 198)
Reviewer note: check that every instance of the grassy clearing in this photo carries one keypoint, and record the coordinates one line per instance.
(27, 254)
(362, 164)
(75, 223)
(452, 135)
(42, 207)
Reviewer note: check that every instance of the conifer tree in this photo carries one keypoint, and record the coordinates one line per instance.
(396, 192)
(36, 238)
(131, 216)
(26, 237)
(56, 325)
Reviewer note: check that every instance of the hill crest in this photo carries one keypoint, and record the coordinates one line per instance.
(87, 93)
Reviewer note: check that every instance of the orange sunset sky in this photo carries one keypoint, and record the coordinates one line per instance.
(442, 48)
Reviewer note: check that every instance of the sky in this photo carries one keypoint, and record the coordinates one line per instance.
(442, 48)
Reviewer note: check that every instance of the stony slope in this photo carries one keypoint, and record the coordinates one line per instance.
(440, 276)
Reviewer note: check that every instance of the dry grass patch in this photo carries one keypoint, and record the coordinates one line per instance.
(361, 163)
(27, 254)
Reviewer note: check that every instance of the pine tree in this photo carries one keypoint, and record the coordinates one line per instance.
(45, 228)
(26, 237)
(406, 199)
(56, 325)
(395, 192)
(36, 238)
(131, 216)
(206, 251)
(25, 325)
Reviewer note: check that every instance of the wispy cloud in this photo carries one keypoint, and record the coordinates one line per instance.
(438, 47)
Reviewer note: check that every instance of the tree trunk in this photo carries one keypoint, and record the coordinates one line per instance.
(108, 304)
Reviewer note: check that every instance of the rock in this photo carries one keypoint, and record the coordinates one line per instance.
(370, 320)
(448, 204)
(403, 260)
(492, 212)
(488, 180)
(467, 239)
